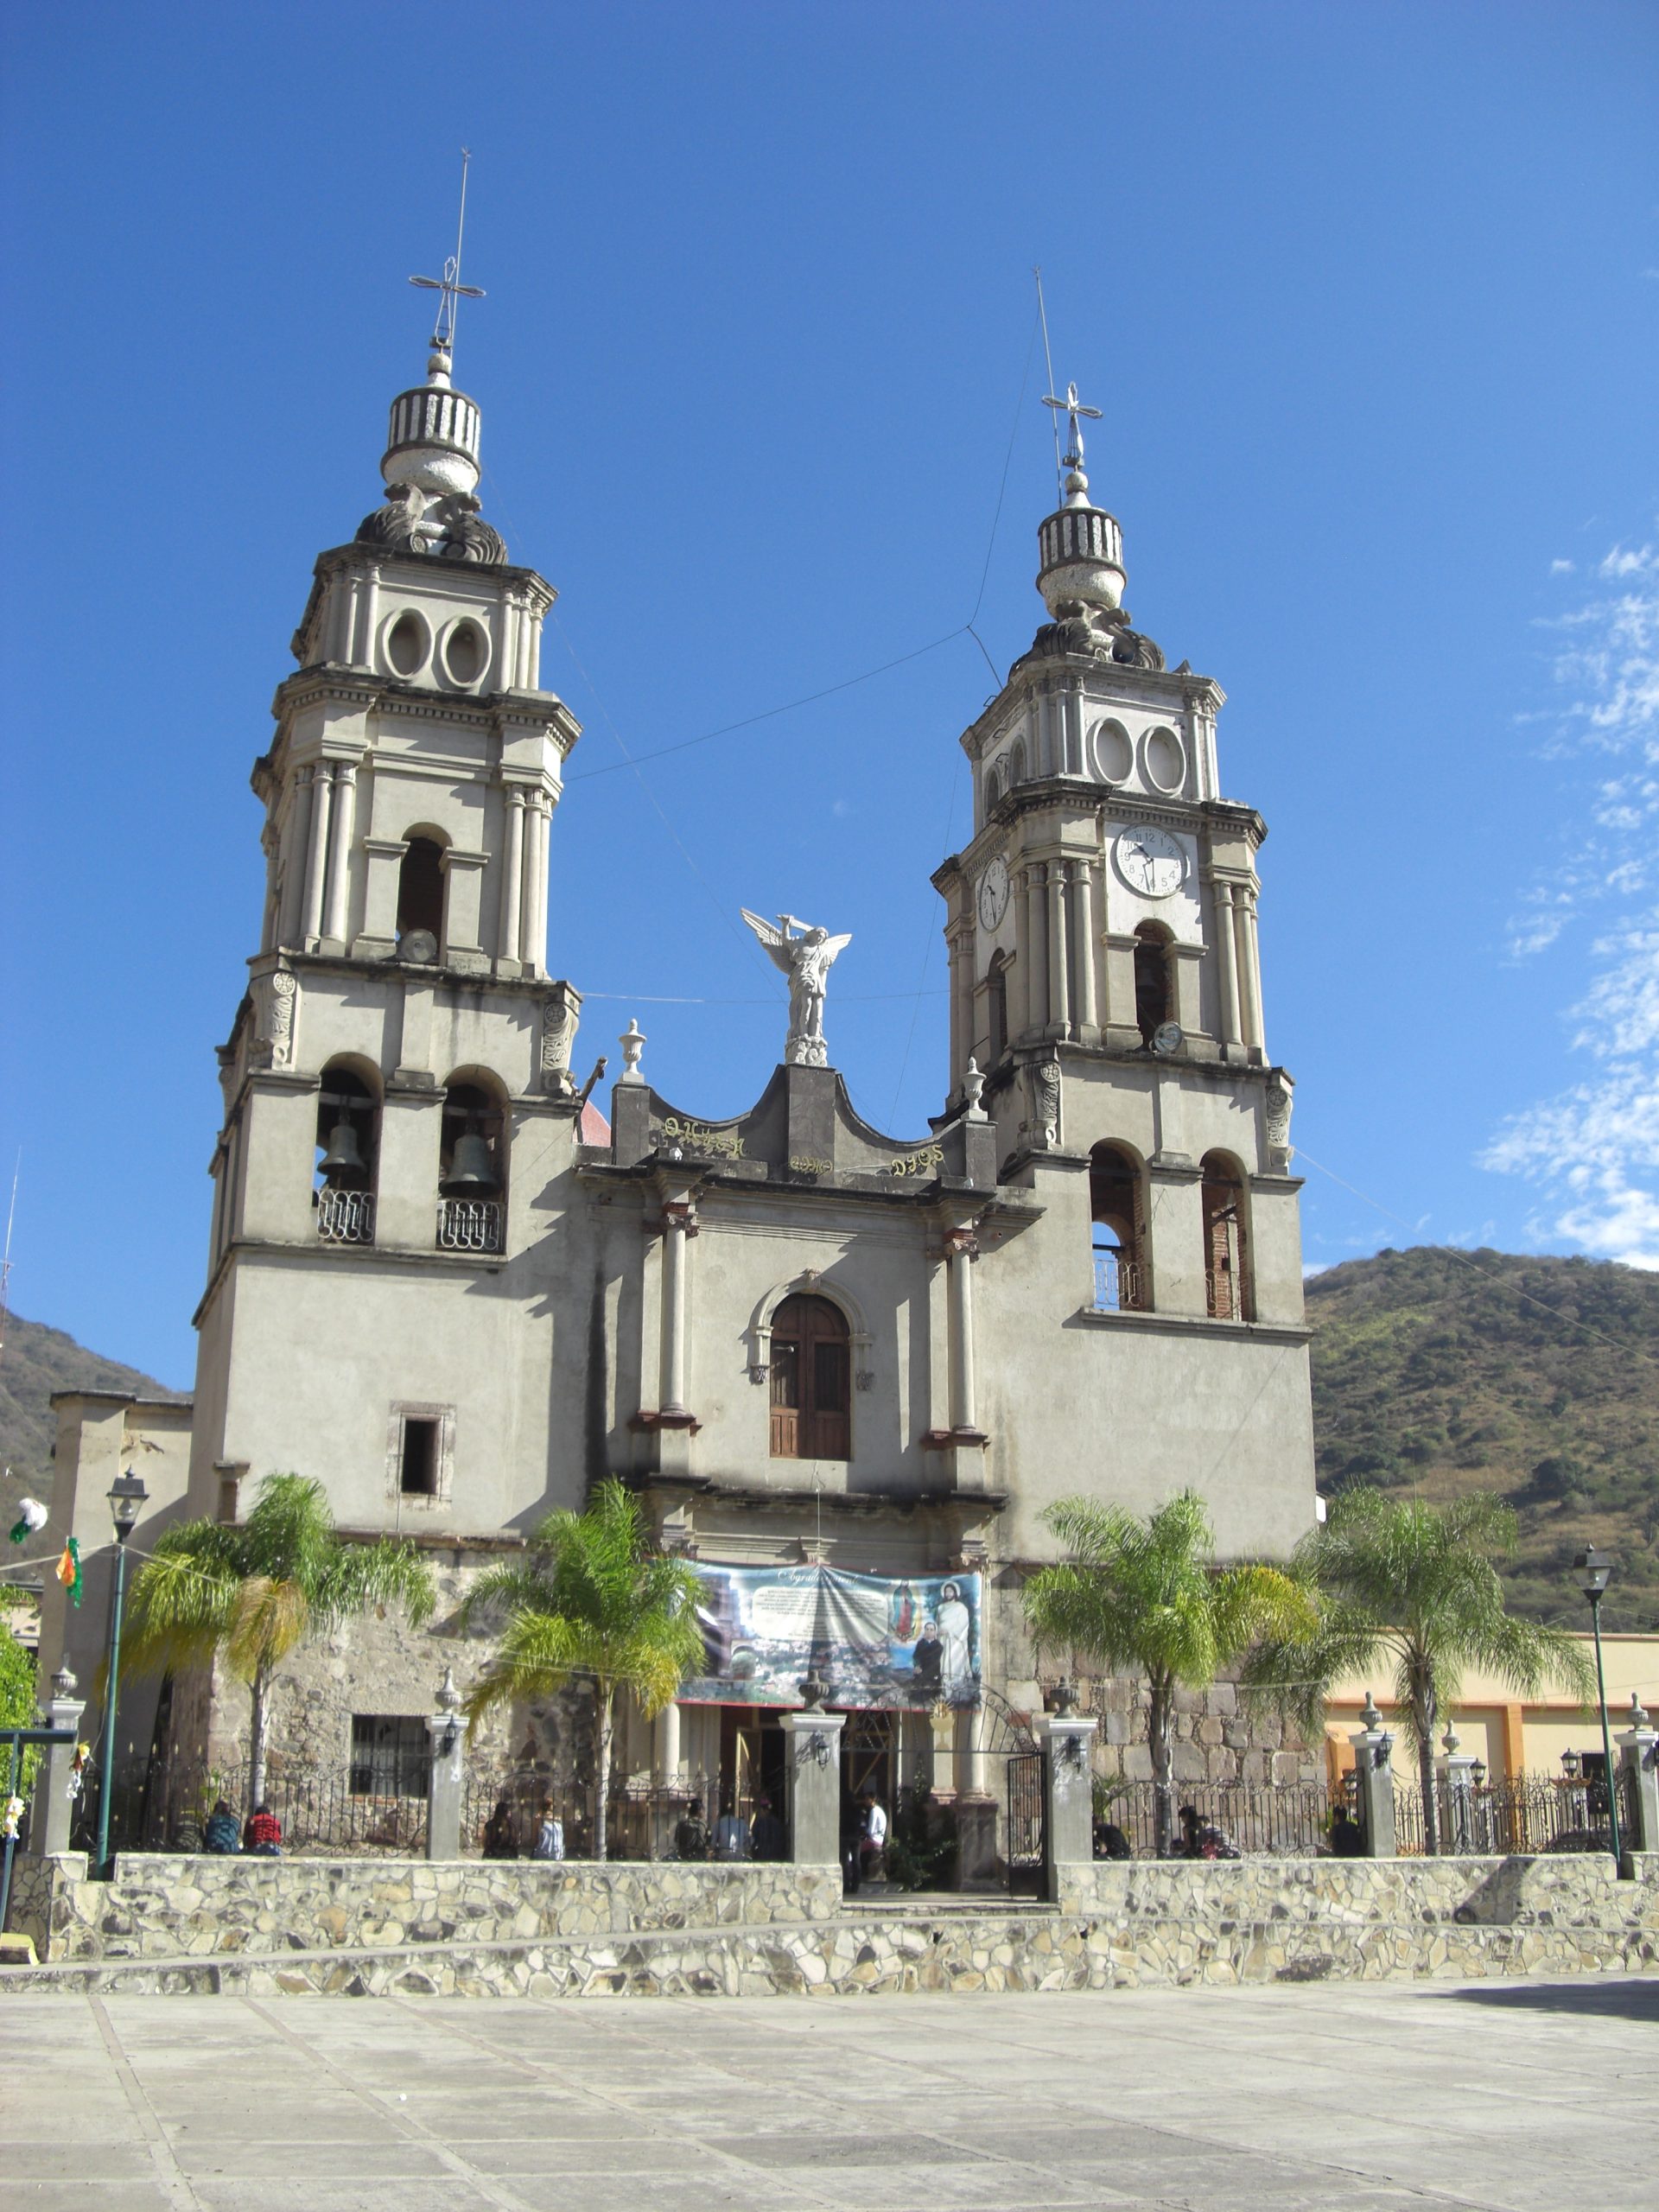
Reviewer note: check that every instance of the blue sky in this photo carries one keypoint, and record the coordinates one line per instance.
(1368, 296)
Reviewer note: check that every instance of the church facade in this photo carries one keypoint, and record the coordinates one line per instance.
(455, 1281)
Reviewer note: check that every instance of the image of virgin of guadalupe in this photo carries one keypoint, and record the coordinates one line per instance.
(901, 1614)
(956, 1641)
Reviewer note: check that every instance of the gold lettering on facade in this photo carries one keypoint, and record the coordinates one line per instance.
(927, 1161)
(725, 1143)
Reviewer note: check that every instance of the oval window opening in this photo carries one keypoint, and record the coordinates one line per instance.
(406, 644)
(1113, 755)
(464, 654)
(1165, 763)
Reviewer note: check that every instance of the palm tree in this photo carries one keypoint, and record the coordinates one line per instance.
(1411, 1587)
(1146, 1594)
(595, 1600)
(255, 1589)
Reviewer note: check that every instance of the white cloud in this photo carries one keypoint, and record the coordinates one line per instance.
(1562, 568)
(1593, 1150)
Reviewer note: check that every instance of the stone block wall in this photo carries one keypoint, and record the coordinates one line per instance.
(163, 1904)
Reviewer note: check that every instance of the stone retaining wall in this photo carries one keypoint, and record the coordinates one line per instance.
(743, 1932)
(164, 1903)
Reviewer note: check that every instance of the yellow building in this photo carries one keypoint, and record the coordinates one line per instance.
(1513, 1735)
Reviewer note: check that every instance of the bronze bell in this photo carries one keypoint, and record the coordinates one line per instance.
(472, 1171)
(343, 1157)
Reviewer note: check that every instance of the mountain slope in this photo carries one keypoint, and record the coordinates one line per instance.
(1442, 1372)
(34, 1363)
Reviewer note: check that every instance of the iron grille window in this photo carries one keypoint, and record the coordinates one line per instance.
(389, 1755)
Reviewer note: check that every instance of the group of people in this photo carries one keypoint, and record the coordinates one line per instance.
(260, 1835)
(735, 1837)
(501, 1833)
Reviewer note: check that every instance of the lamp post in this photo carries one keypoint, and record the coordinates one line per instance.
(127, 1495)
(1594, 1570)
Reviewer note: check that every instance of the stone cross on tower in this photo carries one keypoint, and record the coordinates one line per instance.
(1074, 408)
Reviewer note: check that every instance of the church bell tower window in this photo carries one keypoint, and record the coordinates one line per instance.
(471, 1171)
(811, 1381)
(1229, 1291)
(420, 890)
(1152, 994)
(347, 1141)
(1123, 1284)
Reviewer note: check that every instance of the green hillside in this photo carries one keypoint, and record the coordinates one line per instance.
(34, 1362)
(1441, 1372)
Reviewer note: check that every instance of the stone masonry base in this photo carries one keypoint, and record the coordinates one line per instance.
(304, 1927)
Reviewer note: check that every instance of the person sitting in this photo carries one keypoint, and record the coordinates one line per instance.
(1110, 1842)
(767, 1838)
(500, 1837)
(1201, 1838)
(691, 1834)
(262, 1836)
(222, 1834)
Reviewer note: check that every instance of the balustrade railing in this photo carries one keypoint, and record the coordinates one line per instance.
(1120, 1285)
(471, 1224)
(345, 1217)
(1522, 1814)
(1225, 1297)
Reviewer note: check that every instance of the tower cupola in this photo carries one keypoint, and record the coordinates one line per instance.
(432, 443)
(1080, 545)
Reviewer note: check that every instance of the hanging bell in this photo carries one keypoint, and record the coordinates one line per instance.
(343, 1157)
(472, 1171)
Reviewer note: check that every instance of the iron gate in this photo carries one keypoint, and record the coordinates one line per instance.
(1025, 1772)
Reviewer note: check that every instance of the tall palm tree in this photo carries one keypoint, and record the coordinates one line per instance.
(1146, 1595)
(1413, 1587)
(255, 1589)
(596, 1600)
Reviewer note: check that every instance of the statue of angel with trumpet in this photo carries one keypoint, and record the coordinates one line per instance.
(806, 954)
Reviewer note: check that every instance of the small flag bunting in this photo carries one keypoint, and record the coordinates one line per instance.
(31, 1515)
(69, 1570)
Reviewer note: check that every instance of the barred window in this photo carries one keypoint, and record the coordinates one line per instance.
(389, 1755)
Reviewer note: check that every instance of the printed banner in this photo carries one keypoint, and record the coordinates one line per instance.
(906, 1641)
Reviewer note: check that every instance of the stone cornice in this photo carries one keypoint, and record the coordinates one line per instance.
(1144, 687)
(1192, 1325)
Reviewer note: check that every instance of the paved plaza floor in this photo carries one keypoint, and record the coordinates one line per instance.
(1528, 2096)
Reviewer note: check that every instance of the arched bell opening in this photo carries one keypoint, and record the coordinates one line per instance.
(472, 1168)
(348, 1144)
(1117, 1211)
(420, 875)
(1154, 987)
(1229, 1291)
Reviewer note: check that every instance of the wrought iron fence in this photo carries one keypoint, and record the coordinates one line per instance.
(1024, 1843)
(345, 1217)
(1522, 1814)
(1270, 1821)
(470, 1224)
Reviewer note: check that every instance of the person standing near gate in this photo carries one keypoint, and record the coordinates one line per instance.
(873, 1834)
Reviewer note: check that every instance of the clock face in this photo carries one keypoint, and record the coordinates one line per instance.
(994, 893)
(1151, 861)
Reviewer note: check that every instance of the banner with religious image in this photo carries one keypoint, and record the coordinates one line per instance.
(902, 1642)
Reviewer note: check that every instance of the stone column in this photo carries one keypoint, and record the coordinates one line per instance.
(1374, 1782)
(976, 1805)
(679, 1224)
(1250, 1011)
(1083, 948)
(1058, 1011)
(447, 1738)
(1067, 1740)
(960, 1250)
(316, 857)
(1221, 898)
(1638, 1759)
(298, 842)
(812, 1770)
(512, 867)
(959, 944)
(665, 1750)
(533, 942)
(53, 1806)
(1252, 962)
(1455, 1774)
(1033, 943)
(340, 849)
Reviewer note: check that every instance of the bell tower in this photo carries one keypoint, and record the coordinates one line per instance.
(1105, 977)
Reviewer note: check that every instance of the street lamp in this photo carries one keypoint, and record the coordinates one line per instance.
(1594, 1570)
(127, 1495)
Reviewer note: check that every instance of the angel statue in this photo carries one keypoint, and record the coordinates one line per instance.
(805, 954)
